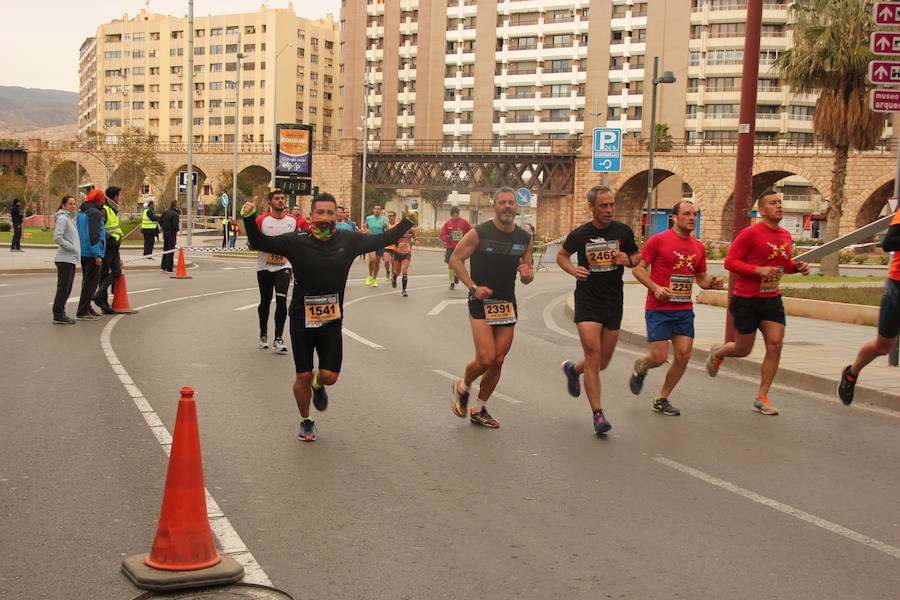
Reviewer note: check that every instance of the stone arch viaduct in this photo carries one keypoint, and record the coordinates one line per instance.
(708, 170)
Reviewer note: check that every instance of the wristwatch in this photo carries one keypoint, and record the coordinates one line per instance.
(472, 291)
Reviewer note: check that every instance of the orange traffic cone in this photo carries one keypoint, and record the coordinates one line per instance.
(120, 298)
(183, 554)
(180, 270)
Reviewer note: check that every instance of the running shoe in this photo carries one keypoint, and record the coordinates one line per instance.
(393, 282)
(94, 312)
(661, 405)
(763, 406)
(452, 286)
(460, 401)
(387, 276)
(107, 310)
(63, 320)
(320, 398)
(307, 431)
(572, 382)
(846, 386)
(87, 317)
(484, 419)
(404, 294)
(369, 280)
(263, 342)
(279, 346)
(374, 282)
(713, 362)
(636, 383)
(601, 425)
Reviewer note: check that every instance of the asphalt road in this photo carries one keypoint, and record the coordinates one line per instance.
(401, 499)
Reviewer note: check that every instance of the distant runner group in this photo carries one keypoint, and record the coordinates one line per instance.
(499, 251)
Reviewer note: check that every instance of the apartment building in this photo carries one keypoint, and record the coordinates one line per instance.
(256, 69)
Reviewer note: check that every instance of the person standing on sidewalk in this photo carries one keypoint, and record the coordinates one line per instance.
(604, 247)
(18, 219)
(149, 225)
(759, 256)
(676, 260)
(451, 233)
(888, 317)
(169, 222)
(93, 248)
(66, 235)
(112, 259)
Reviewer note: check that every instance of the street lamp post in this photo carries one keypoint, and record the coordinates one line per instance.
(667, 77)
(237, 113)
(365, 152)
(275, 109)
(190, 118)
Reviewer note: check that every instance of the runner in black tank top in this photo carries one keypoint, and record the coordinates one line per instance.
(498, 250)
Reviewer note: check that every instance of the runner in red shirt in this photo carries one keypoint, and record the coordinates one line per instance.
(451, 233)
(888, 317)
(758, 257)
(676, 260)
(302, 223)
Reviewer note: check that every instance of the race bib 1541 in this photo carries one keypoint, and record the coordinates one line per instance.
(319, 310)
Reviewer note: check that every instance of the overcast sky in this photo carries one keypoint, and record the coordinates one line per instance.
(42, 46)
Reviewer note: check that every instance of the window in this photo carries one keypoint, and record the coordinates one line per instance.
(560, 66)
(249, 47)
(616, 62)
(154, 105)
(198, 120)
(248, 102)
(199, 33)
(249, 29)
(615, 88)
(232, 30)
(154, 87)
(138, 36)
(137, 71)
(558, 115)
(726, 57)
(313, 93)
(215, 31)
(199, 86)
(215, 67)
(176, 87)
(215, 103)
(214, 85)
(617, 36)
(113, 105)
(249, 66)
(312, 110)
(154, 35)
(176, 35)
(175, 122)
(215, 120)
(300, 89)
(231, 48)
(175, 104)
(112, 55)
(801, 113)
(247, 120)
(215, 49)
(249, 84)
(112, 123)
(176, 70)
(722, 30)
(767, 57)
(559, 91)
(199, 50)
(314, 58)
(137, 106)
(176, 51)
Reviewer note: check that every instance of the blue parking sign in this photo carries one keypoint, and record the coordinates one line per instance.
(607, 151)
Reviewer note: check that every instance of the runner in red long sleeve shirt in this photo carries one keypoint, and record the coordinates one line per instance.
(451, 233)
(758, 257)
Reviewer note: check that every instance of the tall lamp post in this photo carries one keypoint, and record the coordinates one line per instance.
(275, 108)
(237, 112)
(667, 77)
(365, 152)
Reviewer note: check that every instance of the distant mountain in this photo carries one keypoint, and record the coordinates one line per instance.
(58, 132)
(27, 108)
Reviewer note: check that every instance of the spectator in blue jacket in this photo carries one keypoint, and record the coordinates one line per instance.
(91, 220)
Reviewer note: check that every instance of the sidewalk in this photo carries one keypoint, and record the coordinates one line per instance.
(38, 258)
(815, 352)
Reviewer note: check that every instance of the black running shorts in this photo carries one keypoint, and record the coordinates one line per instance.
(889, 315)
(325, 341)
(589, 309)
(476, 311)
(748, 313)
(448, 252)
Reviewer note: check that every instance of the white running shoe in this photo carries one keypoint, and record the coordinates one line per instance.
(279, 346)
(263, 342)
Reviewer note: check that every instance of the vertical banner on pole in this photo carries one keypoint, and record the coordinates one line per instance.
(293, 150)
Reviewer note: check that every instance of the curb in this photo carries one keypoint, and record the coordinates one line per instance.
(786, 376)
(153, 267)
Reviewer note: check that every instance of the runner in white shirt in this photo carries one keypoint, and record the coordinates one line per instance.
(273, 272)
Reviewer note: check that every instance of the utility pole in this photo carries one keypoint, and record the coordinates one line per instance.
(365, 152)
(743, 170)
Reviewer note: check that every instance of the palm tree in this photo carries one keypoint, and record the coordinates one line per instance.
(830, 57)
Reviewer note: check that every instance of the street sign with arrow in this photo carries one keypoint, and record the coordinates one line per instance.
(887, 13)
(882, 71)
(885, 42)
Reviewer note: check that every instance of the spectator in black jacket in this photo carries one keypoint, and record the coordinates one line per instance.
(168, 222)
(17, 219)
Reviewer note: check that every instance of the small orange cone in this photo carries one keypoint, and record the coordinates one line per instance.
(180, 270)
(120, 298)
(183, 554)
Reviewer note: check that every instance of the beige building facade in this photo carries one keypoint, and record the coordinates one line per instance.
(276, 66)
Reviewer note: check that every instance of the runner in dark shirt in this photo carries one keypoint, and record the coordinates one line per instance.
(321, 258)
(499, 250)
(604, 248)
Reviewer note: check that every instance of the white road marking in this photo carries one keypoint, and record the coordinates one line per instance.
(130, 293)
(230, 541)
(360, 339)
(249, 306)
(19, 294)
(4, 284)
(548, 317)
(496, 394)
(444, 304)
(781, 507)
